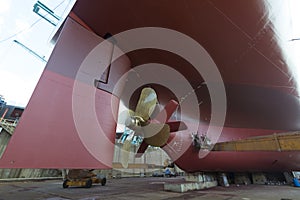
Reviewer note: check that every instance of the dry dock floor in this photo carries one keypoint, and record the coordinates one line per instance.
(140, 188)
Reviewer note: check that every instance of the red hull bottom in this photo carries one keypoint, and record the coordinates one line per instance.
(180, 148)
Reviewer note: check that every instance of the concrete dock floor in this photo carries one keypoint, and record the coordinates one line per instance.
(140, 188)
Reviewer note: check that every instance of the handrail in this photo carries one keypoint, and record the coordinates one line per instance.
(9, 125)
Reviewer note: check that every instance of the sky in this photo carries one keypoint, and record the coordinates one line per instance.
(19, 69)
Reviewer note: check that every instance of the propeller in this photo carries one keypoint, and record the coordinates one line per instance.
(155, 132)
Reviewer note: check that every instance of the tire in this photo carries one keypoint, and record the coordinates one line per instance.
(88, 183)
(103, 181)
(65, 184)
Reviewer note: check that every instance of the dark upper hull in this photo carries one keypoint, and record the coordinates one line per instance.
(241, 38)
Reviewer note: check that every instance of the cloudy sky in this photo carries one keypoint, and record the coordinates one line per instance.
(19, 69)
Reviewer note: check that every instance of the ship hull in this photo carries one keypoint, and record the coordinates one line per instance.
(242, 39)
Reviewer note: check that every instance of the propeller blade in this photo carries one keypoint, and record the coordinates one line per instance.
(164, 115)
(174, 127)
(125, 153)
(156, 134)
(146, 103)
(143, 147)
(177, 126)
(124, 116)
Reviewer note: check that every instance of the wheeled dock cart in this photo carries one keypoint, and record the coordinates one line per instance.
(82, 178)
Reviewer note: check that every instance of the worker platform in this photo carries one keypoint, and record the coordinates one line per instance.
(8, 125)
(289, 141)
